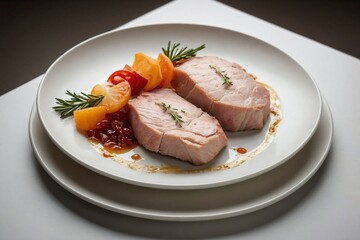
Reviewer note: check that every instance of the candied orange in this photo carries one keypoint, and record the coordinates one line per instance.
(115, 96)
(167, 70)
(87, 118)
(149, 68)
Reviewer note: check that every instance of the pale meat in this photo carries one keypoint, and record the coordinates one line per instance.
(243, 105)
(199, 138)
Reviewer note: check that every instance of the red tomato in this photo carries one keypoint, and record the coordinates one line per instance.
(136, 81)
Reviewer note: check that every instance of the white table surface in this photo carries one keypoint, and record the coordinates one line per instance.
(33, 206)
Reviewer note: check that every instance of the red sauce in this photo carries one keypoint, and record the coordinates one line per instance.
(135, 157)
(114, 132)
(241, 150)
(106, 155)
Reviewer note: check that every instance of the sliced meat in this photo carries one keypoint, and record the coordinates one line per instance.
(199, 138)
(243, 105)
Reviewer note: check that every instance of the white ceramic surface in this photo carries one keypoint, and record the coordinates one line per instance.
(183, 205)
(94, 60)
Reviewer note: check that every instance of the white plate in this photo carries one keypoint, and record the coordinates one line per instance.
(94, 60)
(183, 205)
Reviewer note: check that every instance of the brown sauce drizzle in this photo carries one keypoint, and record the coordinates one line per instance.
(241, 157)
(109, 151)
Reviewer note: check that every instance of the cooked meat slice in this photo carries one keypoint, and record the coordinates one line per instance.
(199, 138)
(242, 105)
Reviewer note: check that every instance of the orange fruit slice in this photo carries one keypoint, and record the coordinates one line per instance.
(149, 68)
(87, 118)
(115, 96)
(167, 70)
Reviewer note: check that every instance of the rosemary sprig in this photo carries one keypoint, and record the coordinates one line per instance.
(223, 74)
(175, 53)
(76, 102)
(173, 112)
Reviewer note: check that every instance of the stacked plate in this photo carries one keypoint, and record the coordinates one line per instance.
(233, 183)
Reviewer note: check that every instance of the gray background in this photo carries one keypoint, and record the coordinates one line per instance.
(33, 34)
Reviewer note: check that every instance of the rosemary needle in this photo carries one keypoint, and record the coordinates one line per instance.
(177, 53)
(173, 112)
(66, 108)
(223, 74)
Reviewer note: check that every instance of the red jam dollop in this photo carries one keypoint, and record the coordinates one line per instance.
(114, 132)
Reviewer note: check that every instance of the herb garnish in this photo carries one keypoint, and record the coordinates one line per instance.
(223, 74)
(173, 112)
(176, 54)
(76, 102)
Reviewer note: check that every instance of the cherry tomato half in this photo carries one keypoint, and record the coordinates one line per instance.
(136, 81)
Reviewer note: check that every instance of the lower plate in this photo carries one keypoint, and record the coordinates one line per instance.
(183, 205)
